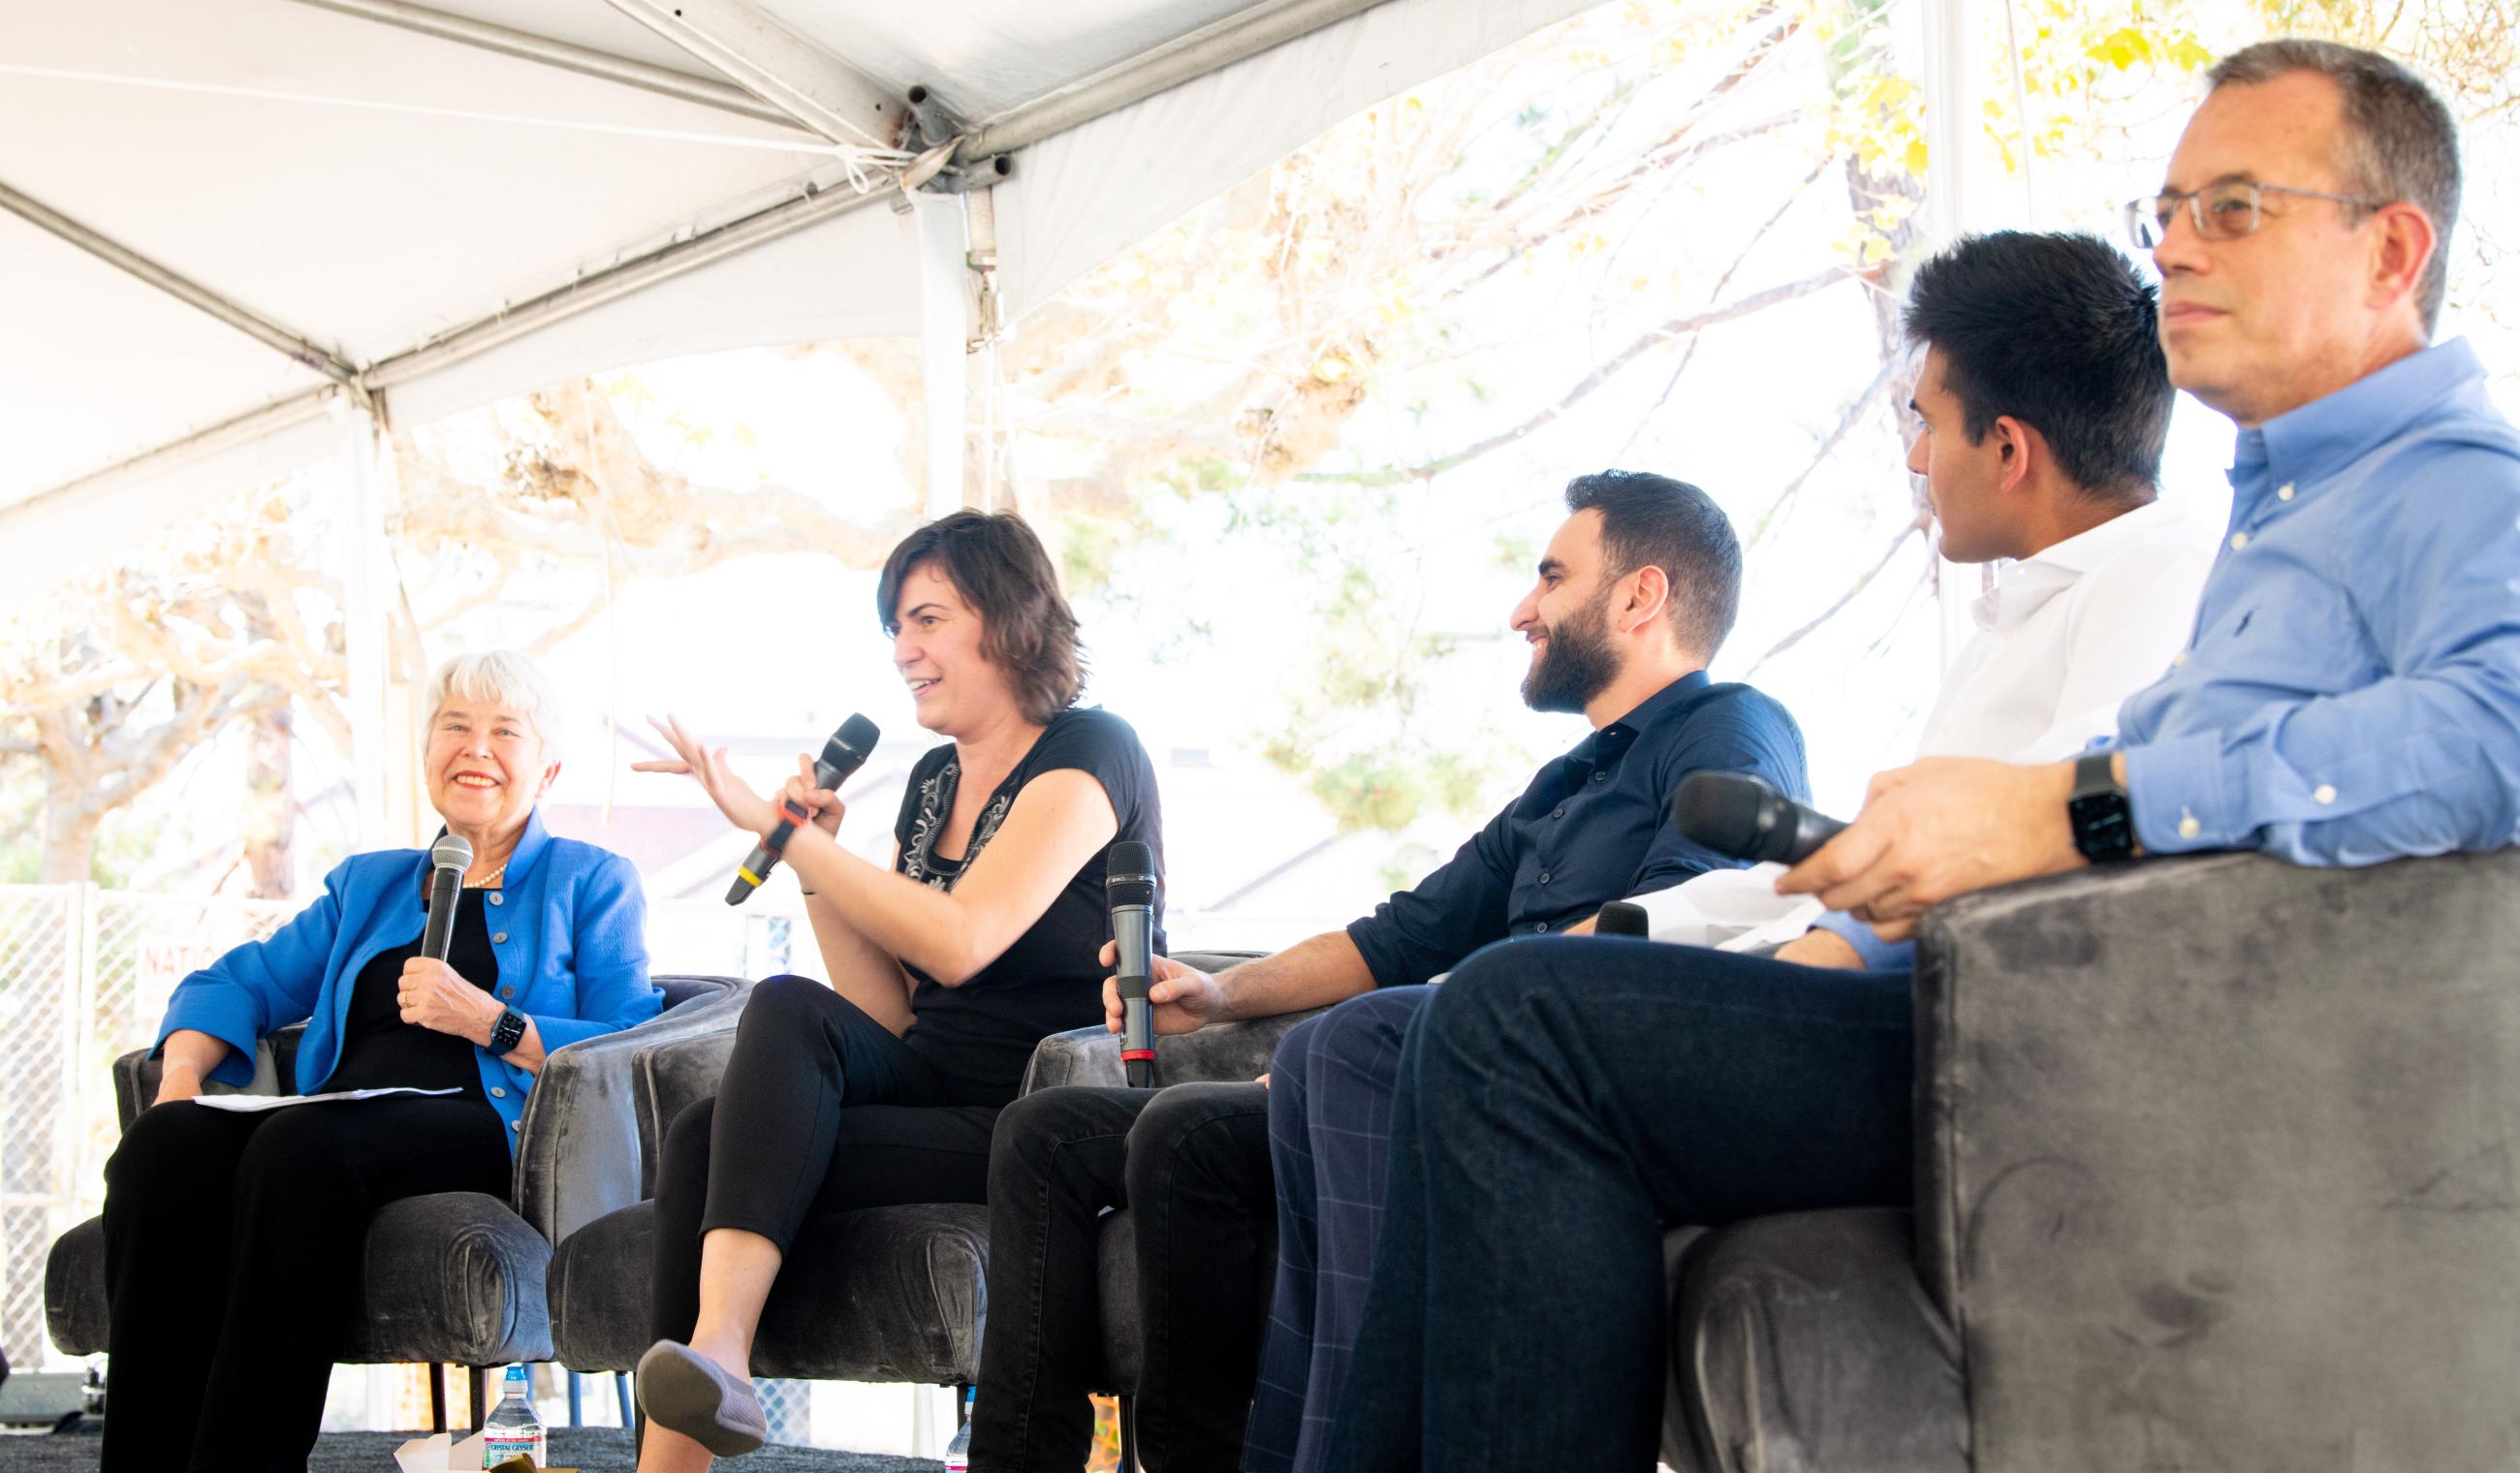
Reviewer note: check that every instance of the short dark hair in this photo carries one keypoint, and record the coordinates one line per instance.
(998, 566)
(2060, 333)
(1650, 521)
(2400, 142)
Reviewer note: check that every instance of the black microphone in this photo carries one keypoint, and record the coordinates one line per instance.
(1129, 885)
(842, 755)
(1621, 919)
(450, 857)
(1737, 814)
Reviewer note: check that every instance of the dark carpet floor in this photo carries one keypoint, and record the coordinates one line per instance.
(596, 1449)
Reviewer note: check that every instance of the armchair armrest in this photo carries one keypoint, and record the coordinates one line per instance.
(2214, 1160)
(580, 1149)
(1220, 1051)
(136, 1074)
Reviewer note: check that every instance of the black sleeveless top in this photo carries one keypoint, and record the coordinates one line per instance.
(979, 1035)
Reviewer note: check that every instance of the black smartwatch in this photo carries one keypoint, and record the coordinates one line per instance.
(506, 1033)
(2103, 819)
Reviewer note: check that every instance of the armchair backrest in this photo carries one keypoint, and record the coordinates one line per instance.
(581, 1151)
(2215, 1162)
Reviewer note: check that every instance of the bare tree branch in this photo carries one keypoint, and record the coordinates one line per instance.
(1666, 334)
(1860, 585)
(1846, 423)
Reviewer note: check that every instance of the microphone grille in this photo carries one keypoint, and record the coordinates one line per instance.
(858, 734)
(1129, 875)
(1721, 810)
(452, 851)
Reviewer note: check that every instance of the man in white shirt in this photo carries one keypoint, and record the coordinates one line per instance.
(2042, 444)
(2044, 400)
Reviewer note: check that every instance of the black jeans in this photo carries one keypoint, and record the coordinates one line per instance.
(822, 1109)
(1191, 1165)
(232, 1249)
(1560, 1103)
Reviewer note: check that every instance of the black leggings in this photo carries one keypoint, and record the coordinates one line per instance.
(822, 1110)
(233, 1248)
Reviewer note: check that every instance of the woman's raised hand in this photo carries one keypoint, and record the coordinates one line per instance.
(743, 808)
(823, 804)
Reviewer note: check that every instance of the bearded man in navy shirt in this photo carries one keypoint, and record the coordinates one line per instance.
(2351, 694)
(1636, 593)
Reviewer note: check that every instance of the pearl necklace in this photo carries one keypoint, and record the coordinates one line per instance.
(488, 880)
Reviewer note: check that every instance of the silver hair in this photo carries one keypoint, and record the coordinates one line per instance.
(2401, 140)
(508, 677)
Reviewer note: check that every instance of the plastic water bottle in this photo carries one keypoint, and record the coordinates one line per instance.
(958, 1453)
(511, 1427)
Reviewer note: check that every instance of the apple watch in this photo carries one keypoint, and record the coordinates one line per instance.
(2103, 820)
(506, 1033)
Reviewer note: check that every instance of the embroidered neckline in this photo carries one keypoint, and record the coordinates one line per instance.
(935, 805)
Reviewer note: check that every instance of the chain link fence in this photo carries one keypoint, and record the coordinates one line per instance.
(85, 973)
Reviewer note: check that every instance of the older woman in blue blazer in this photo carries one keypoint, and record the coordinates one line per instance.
(234, 1241)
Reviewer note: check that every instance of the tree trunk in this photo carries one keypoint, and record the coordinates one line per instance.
(271, 812)
(70, 839)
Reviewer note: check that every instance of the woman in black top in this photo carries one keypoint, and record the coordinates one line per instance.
(946, 970)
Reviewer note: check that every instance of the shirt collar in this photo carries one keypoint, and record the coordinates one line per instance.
(1613, 737)
(2308, 445)
(2022, 589)
(520, 861)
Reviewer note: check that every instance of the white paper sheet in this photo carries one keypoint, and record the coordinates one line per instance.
(1729, 910)
(252, 1104)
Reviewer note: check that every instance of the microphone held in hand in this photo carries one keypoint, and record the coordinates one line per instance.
(1737, 814)
(842, 755)
(448, 858)
(1129, 887)
(1621, 919)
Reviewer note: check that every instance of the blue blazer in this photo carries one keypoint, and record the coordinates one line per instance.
(569, 930)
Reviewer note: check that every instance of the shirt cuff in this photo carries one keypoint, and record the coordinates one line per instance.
(2181, 797)
(1876, 955)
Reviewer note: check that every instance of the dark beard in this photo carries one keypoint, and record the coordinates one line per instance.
(1577, 664)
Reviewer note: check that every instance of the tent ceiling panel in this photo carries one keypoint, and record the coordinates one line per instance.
(299, 209)
(850, 277)
(1068, 209)
(73, 399)
(375, 190)
(591, 24)
(984, 57)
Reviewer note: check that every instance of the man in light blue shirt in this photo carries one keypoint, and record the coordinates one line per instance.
(2351, 694)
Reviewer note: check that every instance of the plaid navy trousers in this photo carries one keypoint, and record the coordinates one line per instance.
(1330, 1090)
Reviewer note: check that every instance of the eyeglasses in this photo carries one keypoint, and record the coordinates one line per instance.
(2220, 211)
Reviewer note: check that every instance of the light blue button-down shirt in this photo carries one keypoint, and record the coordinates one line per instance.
(2351, 692)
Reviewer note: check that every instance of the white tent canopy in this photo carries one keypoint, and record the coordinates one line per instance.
(226, 225)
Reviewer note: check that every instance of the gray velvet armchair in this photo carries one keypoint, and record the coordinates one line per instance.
(2214, 1171)
(886, 1294)
(454, 1277)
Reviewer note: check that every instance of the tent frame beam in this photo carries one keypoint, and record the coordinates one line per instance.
(1213, 47)
(684, 86)
(748, 47)
(183, 289)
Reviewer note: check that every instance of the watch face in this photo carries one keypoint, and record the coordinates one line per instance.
(2104, 828)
